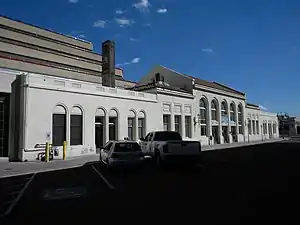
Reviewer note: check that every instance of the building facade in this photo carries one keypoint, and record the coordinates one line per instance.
(288, 126)
(51, 91)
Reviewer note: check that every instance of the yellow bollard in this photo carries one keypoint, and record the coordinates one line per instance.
(65, 150)
(47, 152)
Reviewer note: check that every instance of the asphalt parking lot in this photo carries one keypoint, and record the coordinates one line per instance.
(242, 185)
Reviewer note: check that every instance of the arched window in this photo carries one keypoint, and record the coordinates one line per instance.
(203, 117)
(100, 128)
(59, 118)
(76, 126)
(131, 125)
(240, 118)
(214, 115)
(113, 125)
(223, 109)
(141, 124)
(232, 112)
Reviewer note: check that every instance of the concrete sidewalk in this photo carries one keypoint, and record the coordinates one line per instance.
(8, 169)
(239, 144)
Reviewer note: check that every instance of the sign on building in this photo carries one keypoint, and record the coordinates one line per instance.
(108, 63)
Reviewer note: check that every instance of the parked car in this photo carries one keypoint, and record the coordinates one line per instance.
(169, 146)
(121, 153)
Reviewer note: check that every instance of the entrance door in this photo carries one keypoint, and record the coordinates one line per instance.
(233, 133)
(215, 134)
(4, 124)
(113, 128)
(99, 132)
(225, 134)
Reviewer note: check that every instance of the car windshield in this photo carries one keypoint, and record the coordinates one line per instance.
(127, 147)
(167, 136)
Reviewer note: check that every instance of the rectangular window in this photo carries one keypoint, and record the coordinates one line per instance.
(240, 129)
(188, 122)
(265, 128)
(270, 128)
(76, 130)
(240, 119)
(203, 130)
(141, 127)
(257, 127)
(58, 129)
(249, 127)
(131, 129)
(203, 116)
(178, 124)
(274, 128)
(166, 121)
(253, 125)
(232, 117)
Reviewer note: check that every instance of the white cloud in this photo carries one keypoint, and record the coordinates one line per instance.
(209, 50)
(124, 22)
(81, 36)
(142, 5)
(120, 11)
(100, 23)
(147, 24)
(164, 10)
(133, 61)
(73, 1)
(262, 107)
(132, 39)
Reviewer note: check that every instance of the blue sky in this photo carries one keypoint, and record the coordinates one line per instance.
(250, 45)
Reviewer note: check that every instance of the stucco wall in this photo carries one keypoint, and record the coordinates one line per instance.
(45, 33)
(6, 79)
(173, 105)
(209, 97)
(44, 94)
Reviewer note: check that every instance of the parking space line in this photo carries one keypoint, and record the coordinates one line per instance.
(104, 179)
(14, 202)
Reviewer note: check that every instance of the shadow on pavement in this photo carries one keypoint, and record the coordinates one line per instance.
(238, 186)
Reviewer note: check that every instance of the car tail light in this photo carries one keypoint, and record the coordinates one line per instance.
(165, 149)
(114, 155)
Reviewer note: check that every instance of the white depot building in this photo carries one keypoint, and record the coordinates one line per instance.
(51, 91)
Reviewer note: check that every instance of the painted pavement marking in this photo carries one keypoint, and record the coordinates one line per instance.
(64, 193)
(103, 178)
(15, 190)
